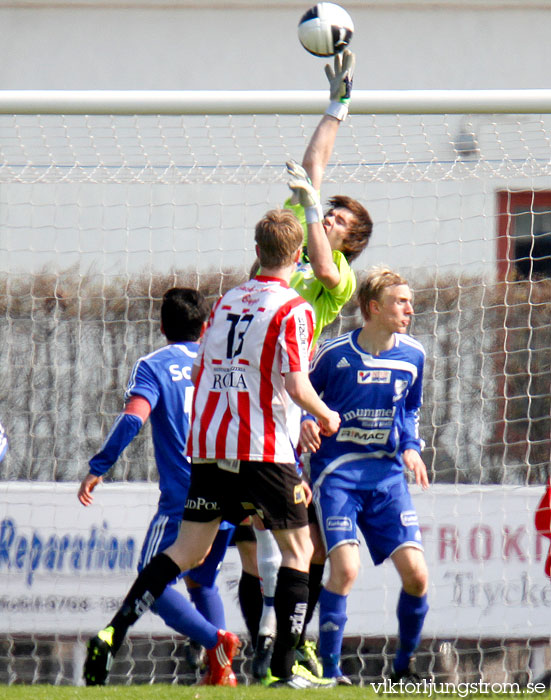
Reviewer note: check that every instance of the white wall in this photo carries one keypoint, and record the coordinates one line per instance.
(246, 44)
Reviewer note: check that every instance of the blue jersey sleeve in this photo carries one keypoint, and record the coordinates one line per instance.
(124, 430)
(143, 382)
(319, 369)
(410, 438)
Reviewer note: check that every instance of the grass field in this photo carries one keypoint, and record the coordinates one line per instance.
(254, 692)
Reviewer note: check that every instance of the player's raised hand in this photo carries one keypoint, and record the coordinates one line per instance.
(296, 170)
(412, 460)
(306, 193)
(340, 76)
(88, 484)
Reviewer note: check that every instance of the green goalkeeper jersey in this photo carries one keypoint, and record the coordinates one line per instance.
(326, 303)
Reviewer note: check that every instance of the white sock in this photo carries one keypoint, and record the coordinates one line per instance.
(268, 560)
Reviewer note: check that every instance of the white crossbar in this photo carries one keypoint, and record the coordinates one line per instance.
(272, 101)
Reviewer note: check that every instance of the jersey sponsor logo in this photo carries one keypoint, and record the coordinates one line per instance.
(201, 504)
(229, 379)
(343, 362)
(248, 288)
(302, 330)
(338, 522)
(374, 376)
(370, 413)
(178, 373)
(409, 518)
(250, 299)
(400, 385)
(363, 436)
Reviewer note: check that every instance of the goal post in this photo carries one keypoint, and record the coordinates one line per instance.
(524, 101)
(108, 198)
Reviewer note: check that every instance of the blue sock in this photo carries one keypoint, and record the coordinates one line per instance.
(332, 620)
(178, 613)
(209, 603)
(411, 613)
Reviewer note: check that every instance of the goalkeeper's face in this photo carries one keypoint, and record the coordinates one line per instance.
(337, 223)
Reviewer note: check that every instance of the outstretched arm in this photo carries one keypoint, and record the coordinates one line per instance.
(320, 147)
(316, 157)
(124, 430)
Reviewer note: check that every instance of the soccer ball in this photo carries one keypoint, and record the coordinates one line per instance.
(326, 29)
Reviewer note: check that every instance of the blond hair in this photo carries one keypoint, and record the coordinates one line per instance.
(278, 235)
(373, 285)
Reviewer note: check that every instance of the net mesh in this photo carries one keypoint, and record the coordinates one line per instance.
(99, 215)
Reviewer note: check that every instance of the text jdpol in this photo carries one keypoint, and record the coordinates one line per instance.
(99, 551)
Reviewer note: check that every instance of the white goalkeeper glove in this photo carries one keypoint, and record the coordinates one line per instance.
(340, 84)
(307, 195)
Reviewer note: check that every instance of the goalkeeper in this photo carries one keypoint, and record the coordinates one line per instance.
(325, 279)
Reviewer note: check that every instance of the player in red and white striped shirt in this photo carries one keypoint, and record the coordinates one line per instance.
(253, 357)
(258, 333)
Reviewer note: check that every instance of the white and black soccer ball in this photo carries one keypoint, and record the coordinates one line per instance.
(326, 29)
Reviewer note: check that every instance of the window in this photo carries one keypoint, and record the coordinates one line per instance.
(524, 234)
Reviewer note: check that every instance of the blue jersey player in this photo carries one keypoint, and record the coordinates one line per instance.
(373, 377)
(160, 389)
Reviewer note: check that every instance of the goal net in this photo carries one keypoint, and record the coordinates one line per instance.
(105, 204)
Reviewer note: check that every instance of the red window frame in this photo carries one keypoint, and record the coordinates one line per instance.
(508, 201)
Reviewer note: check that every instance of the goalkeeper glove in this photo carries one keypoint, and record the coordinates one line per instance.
(340, 84)
(308, 196)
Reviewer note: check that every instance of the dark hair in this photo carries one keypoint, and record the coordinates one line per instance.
(278, 235)
(359, 232)
(183, 312)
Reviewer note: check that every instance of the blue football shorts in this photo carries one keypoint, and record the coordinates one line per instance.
(384, 515)
(163, 531)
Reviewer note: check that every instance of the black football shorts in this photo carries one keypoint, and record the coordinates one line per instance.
(271, 490)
